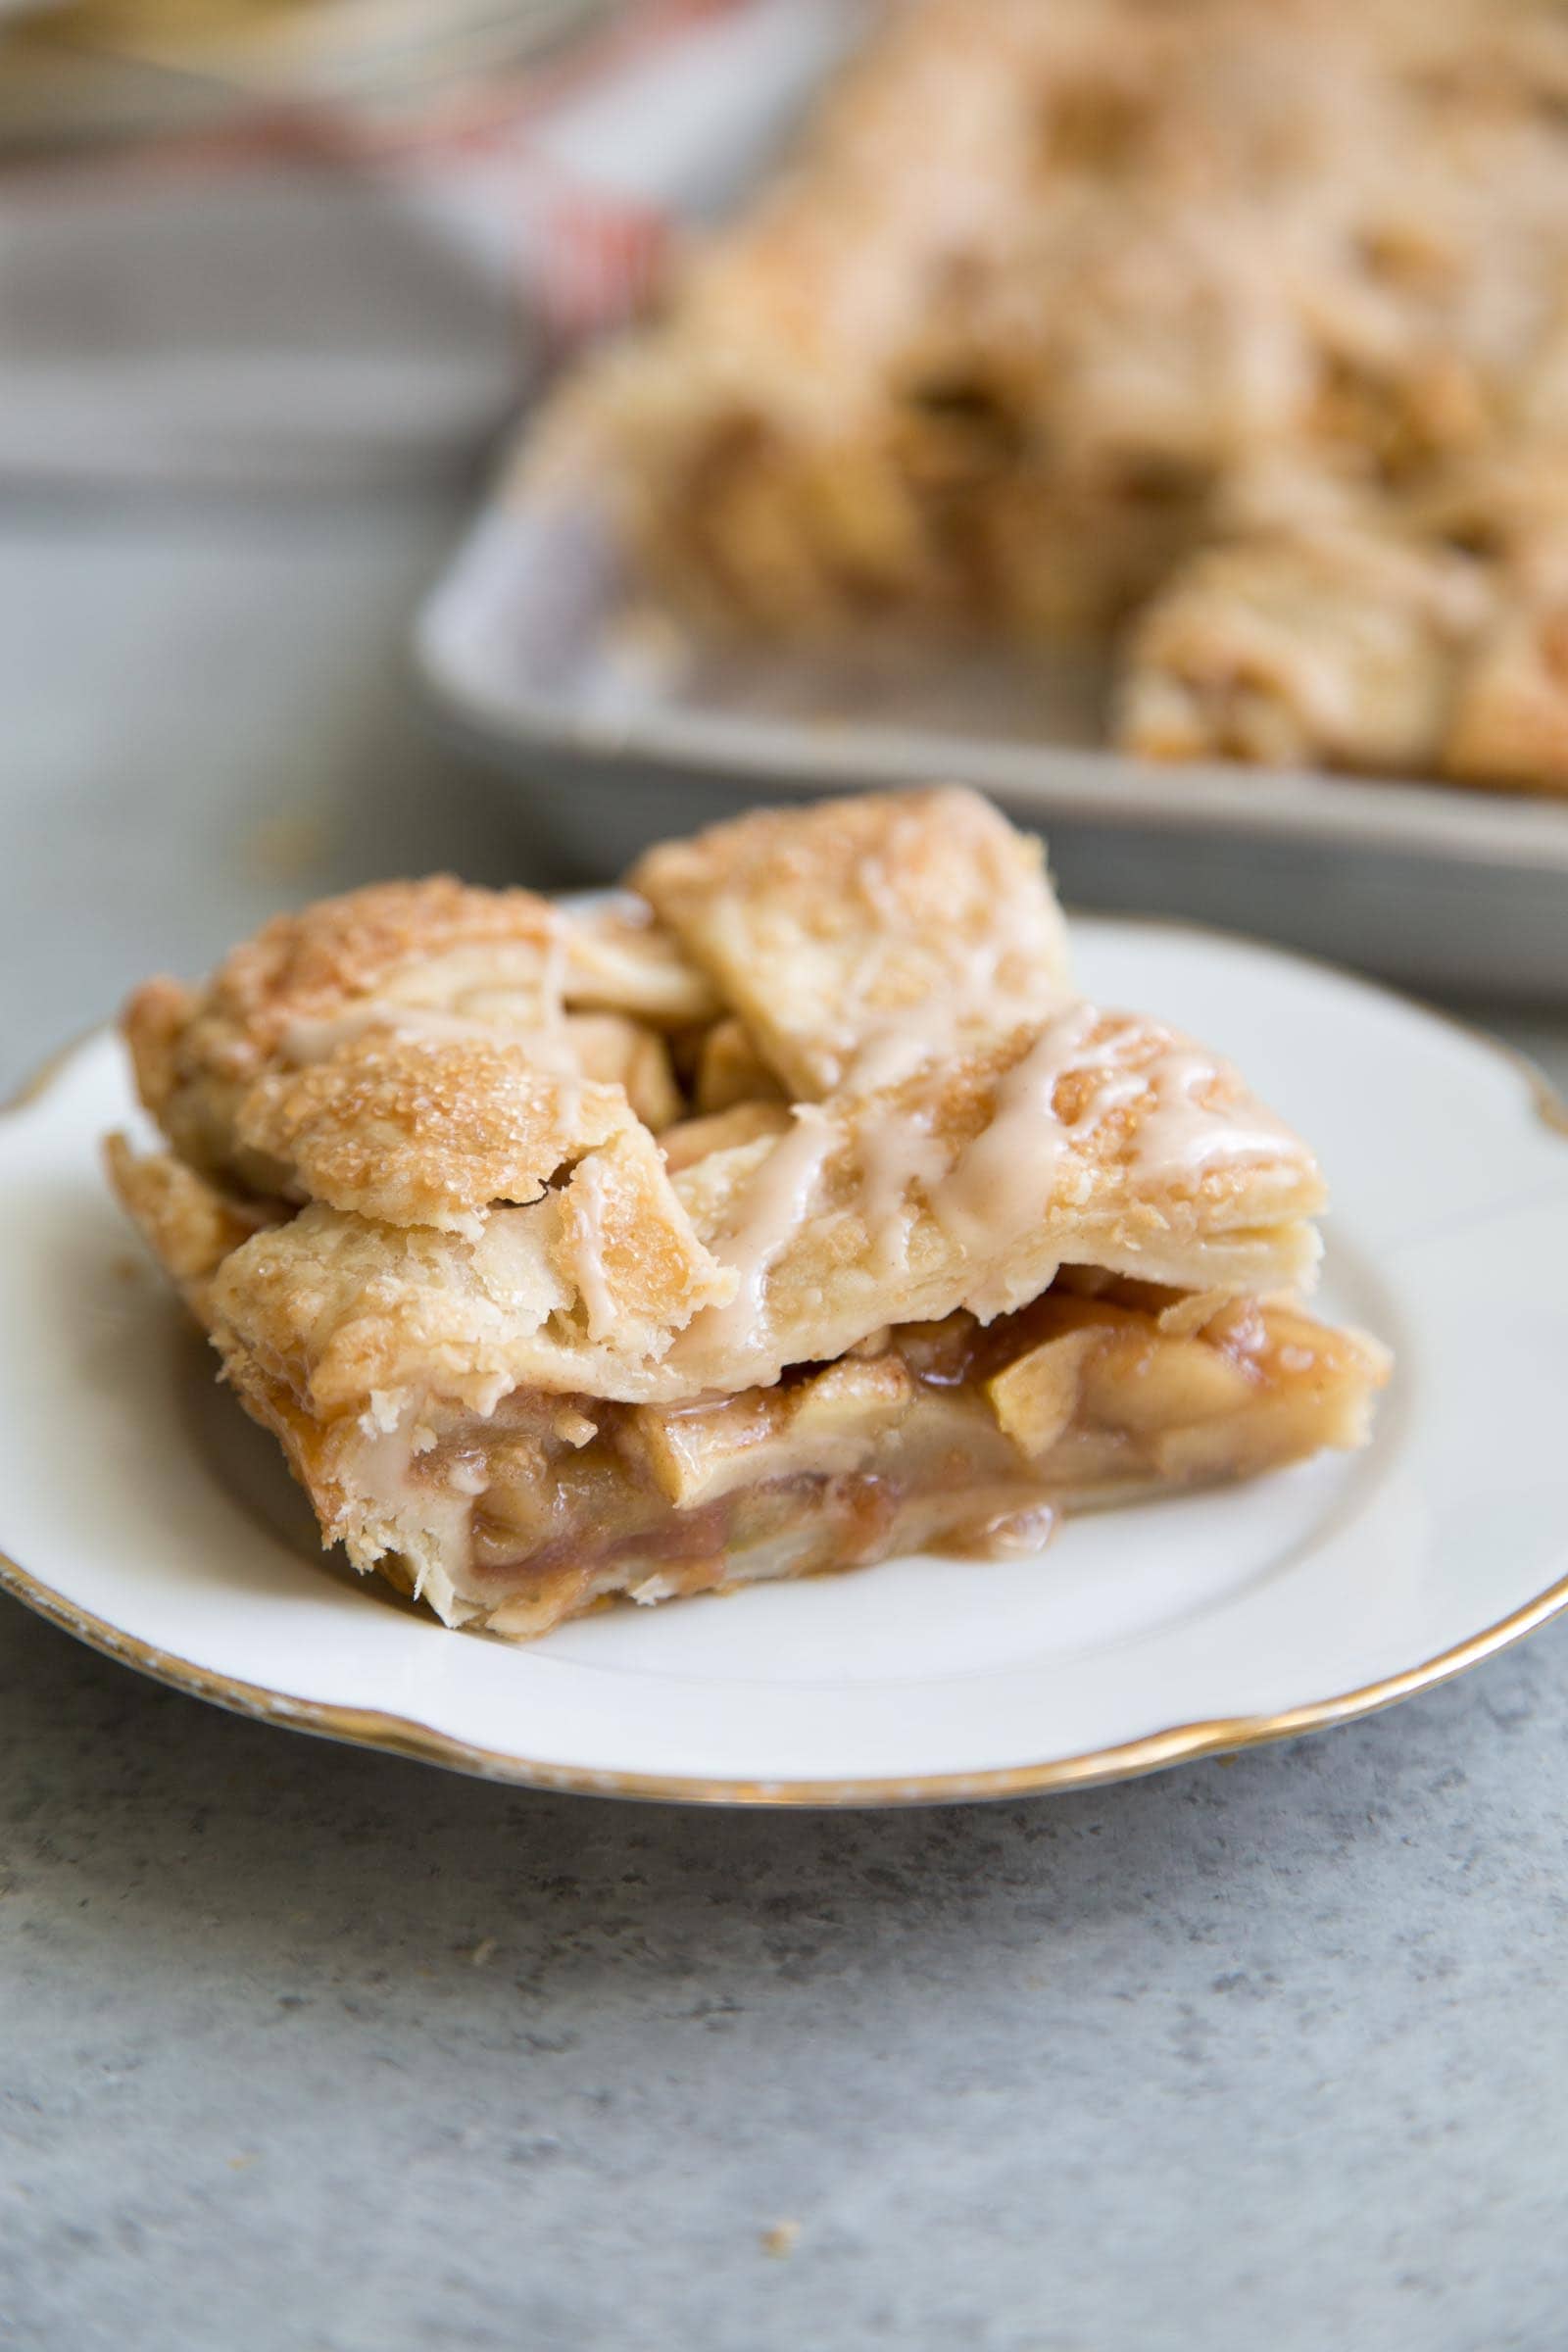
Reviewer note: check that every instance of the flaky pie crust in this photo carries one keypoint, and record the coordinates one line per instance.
(419, 1223)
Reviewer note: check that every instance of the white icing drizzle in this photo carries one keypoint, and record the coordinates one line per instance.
(520, 991)
(891, 1052)
(309, 1041)
(1002, 1180)
(892, 1049)
(552, 1051)
(587, 1197)
(896, 1151)
(769, 1213)
(974, 988)
(974, 1004)
(1000, 1185)
(552, 974)
(1180, 1136)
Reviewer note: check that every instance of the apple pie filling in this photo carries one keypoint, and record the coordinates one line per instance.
(950, 1436)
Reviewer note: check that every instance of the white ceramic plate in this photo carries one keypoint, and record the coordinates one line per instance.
(139, 1510)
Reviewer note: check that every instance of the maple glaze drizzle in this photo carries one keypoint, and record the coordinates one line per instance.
(553, 976)
(586, 1198)
(975, 1005)
(770, 1212)
(1002, 1181)
(897, 1014)
(898, 1151)
(309, 1041)
(996, 1186)
(1180, 1136)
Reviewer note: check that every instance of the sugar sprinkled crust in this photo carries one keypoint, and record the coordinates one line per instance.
(427, 1131)
(435, 1251)
(919, 919)
(412, 954)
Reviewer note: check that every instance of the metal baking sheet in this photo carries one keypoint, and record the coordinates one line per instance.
(614, 732)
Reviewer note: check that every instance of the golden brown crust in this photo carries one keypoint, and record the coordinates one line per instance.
(730, 1070)
(590, 993)
(425, 1131)
(343, 1310)
(188, 1224)
(309, 965)
(625, 1243)
(196, 1054)
(156, 1019)
(828, 928)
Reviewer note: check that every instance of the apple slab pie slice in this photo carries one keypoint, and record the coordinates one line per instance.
(788, 1211)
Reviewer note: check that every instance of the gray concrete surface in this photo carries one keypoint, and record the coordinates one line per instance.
(304, 2047)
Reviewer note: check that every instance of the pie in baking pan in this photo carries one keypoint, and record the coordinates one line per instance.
(1232, 337)
(787, 1211)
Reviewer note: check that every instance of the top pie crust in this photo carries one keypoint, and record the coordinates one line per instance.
(391, 1180)
(870, 938)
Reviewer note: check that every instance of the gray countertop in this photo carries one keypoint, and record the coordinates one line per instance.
(307, 2047)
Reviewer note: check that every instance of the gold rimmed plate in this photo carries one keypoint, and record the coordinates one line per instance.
(139, 1510)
